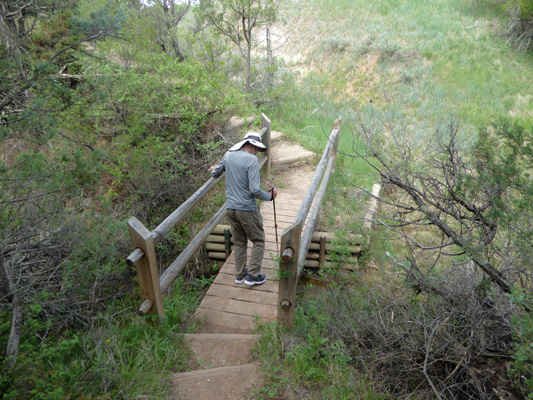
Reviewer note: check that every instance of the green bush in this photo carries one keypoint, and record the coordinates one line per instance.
(524, 6)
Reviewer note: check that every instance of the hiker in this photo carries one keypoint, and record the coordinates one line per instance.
(242, 190)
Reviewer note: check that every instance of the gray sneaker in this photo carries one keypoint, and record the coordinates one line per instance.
(258, 280)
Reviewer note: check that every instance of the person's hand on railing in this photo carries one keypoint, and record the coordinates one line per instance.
(212, 167)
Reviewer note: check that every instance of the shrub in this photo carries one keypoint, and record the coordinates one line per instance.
(455, 344)
(520, 30)
(117, 357)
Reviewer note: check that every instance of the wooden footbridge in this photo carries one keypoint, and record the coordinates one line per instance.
(230, 312)
(231, 308)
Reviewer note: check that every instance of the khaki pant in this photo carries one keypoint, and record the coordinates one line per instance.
(247, 225)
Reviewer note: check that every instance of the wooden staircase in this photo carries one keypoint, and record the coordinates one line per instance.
(223, 363)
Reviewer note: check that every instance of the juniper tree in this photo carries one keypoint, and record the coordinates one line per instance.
(465, 203)
(39, 185)
(168, 14)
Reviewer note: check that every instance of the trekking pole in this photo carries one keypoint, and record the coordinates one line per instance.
(275, 222)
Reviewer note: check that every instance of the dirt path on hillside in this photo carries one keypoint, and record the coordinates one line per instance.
(223, 366)
(292, 165)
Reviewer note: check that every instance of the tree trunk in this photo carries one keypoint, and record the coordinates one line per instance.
(177, 51)
(248, 66)
(8, 27)
(270, 58)
(16, 318)
(22, 23)
(270, 62)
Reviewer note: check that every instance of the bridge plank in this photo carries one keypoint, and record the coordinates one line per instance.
(237, 293)
(270, 272)
(229, 279)
(229, 307)
(267, 260)
(252, 309)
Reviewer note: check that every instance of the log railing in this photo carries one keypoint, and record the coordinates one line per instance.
(143, 241)
(294, 242)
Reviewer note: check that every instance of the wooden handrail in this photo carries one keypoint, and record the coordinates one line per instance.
(152, 296)
(179, 264)
(317, 176)
(175, 218)
(294, 245)
(313, 218)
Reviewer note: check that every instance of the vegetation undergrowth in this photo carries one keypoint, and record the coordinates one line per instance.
(119, 354)
(521, 369)
(407, 67)
(116, 108)
(99, 123)
(307, 364)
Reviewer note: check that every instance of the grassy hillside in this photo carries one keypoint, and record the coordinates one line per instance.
(424, 63)
(426, 60)
(413, 67)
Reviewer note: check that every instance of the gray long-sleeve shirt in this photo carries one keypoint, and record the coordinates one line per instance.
(242, 180)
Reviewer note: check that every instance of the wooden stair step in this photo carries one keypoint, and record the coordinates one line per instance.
(225, 322)
(228, 383)
(236, 293)
(252, 309)
(220, 350)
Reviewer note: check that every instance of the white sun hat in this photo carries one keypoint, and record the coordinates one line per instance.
(252, 138)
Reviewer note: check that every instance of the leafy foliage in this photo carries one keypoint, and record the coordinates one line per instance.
(505, 157)
(238, 21)
(88, 138)
(525, 7)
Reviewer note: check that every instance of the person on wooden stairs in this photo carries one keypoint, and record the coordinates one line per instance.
(242, 189)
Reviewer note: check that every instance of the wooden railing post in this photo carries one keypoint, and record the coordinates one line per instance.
(227, 242)
(337, 125)
(294, 245)
(322, 252)
(146, 267)
(288, 273)
(265, 123)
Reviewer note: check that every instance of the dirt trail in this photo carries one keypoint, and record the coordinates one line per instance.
(292, 164)
(223, 364)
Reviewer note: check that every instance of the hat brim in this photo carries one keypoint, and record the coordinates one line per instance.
(260, 146)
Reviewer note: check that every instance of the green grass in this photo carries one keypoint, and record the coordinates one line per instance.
(435, 60)
(427, 62)
(121, 356)
(308, 365)
(310, 123)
